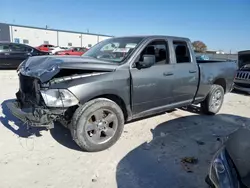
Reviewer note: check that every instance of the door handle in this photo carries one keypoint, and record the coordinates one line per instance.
(6, 53)
(192, 71)
(168, 74)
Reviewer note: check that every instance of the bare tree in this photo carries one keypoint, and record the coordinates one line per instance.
(199, 46)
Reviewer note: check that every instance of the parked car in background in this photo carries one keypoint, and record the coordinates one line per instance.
(242, 78)
(12, 54)
(116, 81)
(78, 51)
(57, 49)
(46, 47)
(202, 57)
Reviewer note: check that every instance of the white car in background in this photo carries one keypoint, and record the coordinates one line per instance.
(57, 49)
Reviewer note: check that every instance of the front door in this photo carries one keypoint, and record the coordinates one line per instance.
(152, 87)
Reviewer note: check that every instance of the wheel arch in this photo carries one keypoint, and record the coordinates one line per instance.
(222, 82)
(119, 101)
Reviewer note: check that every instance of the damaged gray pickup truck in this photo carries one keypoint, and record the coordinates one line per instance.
(116, 81)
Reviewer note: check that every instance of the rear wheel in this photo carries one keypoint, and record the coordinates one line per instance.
(97, 125)
(214, 100)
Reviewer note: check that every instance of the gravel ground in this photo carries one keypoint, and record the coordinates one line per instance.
(147, 155)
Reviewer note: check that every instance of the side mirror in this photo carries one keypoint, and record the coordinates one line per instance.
(148, 61)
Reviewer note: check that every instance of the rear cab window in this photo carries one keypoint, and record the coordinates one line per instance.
(243, 59)
(182, 52)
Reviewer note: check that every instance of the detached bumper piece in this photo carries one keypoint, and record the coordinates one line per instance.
(34, 117)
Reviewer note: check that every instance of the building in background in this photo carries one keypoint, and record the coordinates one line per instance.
(35, 36)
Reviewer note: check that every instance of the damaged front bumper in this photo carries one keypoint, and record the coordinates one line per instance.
(34, 117)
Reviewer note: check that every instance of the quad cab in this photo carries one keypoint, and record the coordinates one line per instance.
(116, 81)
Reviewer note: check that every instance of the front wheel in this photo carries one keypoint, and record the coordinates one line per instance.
(214, 100)
(97, 125)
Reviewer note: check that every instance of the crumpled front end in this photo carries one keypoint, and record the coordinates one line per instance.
(29, 106)
(45, 93)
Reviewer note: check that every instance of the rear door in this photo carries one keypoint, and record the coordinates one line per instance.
(4, 55)
(18, 53)
(186, 73)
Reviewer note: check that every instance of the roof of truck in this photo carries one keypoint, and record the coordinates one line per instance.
(156, 36)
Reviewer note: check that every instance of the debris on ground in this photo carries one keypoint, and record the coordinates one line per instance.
(201, 143)
(94, 180)
(190, 160)
(186, 163)
(186, 167)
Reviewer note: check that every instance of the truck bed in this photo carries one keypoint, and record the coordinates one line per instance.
(211, 72)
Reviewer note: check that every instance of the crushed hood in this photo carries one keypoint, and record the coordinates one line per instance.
(46, 67)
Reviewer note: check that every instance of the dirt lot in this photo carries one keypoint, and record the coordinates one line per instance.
(147, 155)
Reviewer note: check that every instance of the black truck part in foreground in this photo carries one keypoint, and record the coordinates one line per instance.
(118, 80)
(242, 78)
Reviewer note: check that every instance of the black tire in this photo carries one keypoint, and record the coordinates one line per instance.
(82, 116)
(208, 106)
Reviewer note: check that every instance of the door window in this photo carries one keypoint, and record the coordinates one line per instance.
(158, 48)
(182, 52)
(29, 49)
(17, 48)
(4, 47)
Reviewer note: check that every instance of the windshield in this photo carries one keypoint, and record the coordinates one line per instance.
(115, 49)
(243, 60)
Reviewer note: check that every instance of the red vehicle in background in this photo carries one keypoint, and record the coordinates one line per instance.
(78, 51)
(45, 47)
